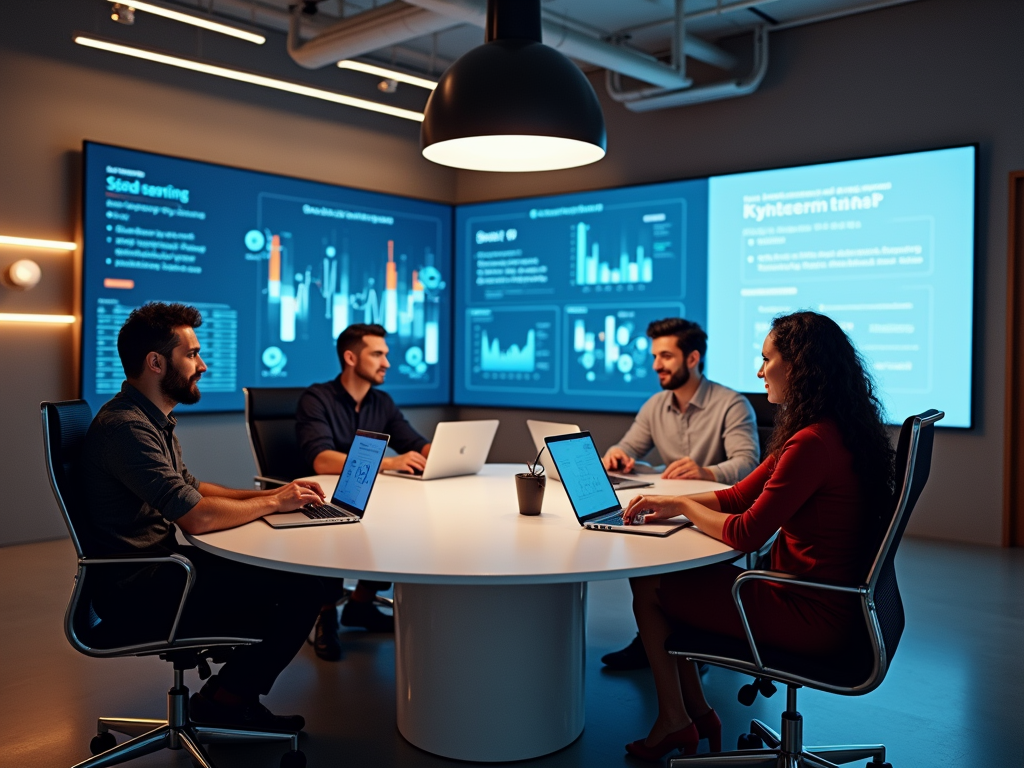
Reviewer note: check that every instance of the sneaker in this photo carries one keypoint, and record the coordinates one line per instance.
(367, 616)
(633, 656)
(326, 642)
(251, 716)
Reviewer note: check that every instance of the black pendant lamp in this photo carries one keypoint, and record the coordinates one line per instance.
(513, 103)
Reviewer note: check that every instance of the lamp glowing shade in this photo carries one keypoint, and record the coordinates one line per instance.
(513, 103)
(513, 153)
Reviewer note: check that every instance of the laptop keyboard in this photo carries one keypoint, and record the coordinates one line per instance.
(615, 519)
(321, 512)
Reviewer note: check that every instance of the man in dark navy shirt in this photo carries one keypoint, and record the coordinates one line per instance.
(138, 490)
(326, 421)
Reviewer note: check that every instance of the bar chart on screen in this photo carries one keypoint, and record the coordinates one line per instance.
(323, 275)
(609, 352)
(513, 349)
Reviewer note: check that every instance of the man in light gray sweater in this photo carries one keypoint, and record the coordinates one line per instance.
(702, 430)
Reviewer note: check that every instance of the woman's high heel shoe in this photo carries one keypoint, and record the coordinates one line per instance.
(710, 727)
(685, 739)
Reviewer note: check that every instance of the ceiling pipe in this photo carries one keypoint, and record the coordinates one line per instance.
(270, 18)
(704, 93)
(357, 35)
(577, 45)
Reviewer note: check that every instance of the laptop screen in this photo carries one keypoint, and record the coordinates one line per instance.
(360, 471)
(583, 475)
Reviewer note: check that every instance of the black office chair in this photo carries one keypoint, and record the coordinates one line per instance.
(64, 427)
(849, 674)
(764, 415)
(270, 424)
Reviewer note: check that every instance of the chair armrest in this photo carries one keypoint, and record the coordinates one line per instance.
(269, 482)
(184, 562)
(790, 579)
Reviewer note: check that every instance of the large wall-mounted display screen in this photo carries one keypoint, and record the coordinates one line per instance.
(277, 266)
(884, 246)
(554, 294)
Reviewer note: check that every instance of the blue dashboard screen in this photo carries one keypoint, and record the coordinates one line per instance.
(883, 246)
(554, 294)
(277, 266)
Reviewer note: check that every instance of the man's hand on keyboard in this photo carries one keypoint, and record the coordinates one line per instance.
(297, 494)
(412, 462)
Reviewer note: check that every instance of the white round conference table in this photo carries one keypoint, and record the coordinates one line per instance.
(490, 605)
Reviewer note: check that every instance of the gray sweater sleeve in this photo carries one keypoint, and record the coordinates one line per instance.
(639, 440)
(742, 447)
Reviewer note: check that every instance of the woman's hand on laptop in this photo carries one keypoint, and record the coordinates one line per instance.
(649, 507)
(411, 462)
(298, 493)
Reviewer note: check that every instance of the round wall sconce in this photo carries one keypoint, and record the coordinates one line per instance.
(23, 275)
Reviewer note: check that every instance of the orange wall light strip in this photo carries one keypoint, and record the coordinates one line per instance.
(32, 242)
(15, 317)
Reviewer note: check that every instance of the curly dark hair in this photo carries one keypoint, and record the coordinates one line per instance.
(150, 328)
(828, 380)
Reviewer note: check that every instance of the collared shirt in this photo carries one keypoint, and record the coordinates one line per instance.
(717, 430)
(135, 483)
(326, 420)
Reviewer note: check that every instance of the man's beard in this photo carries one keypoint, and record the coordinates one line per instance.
(370, 379)
(677, 379)
(178, 388)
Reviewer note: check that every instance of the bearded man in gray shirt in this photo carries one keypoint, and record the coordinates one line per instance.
(702, 430)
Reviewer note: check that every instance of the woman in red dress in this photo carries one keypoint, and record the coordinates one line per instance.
(825, 485)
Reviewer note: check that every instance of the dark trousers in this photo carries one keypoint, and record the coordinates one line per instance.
(228, 599)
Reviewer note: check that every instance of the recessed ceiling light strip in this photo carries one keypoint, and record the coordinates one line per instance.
(390, 74)
(196, 21)
(246, 77)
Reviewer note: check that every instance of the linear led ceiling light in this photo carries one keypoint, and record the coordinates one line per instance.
(246, 77)
(32, 242)
(17, 317)
(196, 21)
(513, 103)
(390, 74)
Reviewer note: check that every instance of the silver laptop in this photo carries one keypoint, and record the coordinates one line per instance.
(542, 429)
(458, 448)
(351, 494)
(590, 492)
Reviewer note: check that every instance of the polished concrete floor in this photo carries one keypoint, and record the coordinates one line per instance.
(953, 697)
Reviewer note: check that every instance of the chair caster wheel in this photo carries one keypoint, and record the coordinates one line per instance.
(293, 759)
(749, 741)
(102, 742)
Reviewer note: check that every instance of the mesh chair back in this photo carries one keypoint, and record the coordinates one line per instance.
(64, 427)
(913, 464)
(270, 423)
(764, 415)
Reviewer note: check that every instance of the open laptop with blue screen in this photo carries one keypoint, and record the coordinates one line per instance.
(590, 491)
(351, 494)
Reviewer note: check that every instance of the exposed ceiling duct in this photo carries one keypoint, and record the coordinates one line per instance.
(576, 45)
(652, 99)
(368, 31)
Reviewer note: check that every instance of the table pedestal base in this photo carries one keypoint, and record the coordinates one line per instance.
(490, 673)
